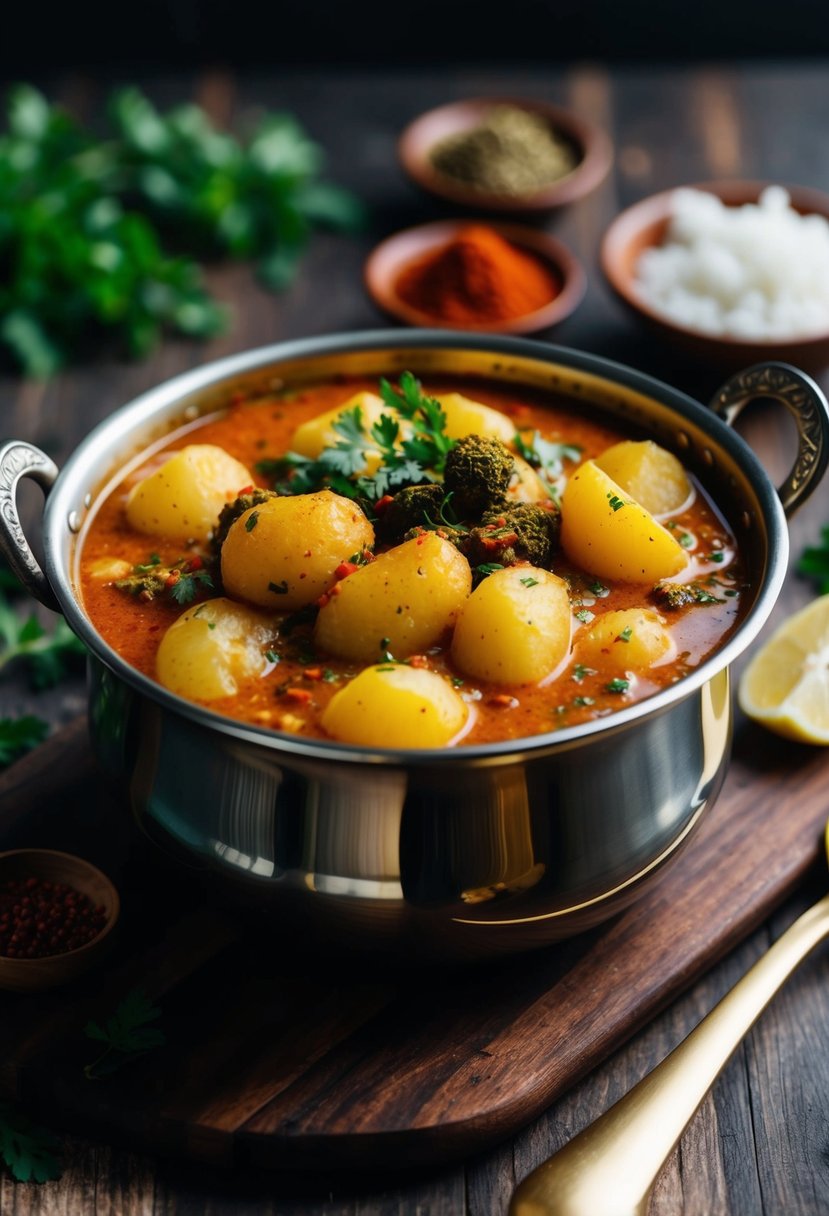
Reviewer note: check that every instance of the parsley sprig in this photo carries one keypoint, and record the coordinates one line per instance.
(410, 440)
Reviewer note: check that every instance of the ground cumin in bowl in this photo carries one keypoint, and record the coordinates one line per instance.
(461, 274)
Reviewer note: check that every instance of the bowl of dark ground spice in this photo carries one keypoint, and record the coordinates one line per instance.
(469, 275)
(57, 913)
(503, 154)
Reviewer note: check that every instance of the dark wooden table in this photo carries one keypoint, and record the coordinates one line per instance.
(760, 1143)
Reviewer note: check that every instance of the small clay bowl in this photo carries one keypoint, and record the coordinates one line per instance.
(35, 974)
(388, 259)
(645, 224)
(593, 149)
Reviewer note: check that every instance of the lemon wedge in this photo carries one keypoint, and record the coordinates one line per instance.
(786, 684)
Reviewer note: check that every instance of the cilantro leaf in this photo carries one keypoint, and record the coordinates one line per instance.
(47, 655)
(20, 735)
(29, 1151)
(79, 263)
(126, 1035)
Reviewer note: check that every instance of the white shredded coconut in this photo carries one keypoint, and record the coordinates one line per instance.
(752, 272)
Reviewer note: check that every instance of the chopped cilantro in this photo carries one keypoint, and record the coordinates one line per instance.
(617, 684)
(251, 521)
(580, 672)
(580, 702)
(615, 501)
(529, 581)
(584, 616)
(625, 635)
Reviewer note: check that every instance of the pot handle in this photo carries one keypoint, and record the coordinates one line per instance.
(805, 401)
(18, 460)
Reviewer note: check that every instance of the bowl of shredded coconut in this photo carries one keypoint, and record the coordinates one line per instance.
(733, 271)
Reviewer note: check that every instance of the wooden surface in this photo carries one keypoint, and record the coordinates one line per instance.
(761, 1141)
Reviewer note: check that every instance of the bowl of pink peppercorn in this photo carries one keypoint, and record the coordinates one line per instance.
(57, 914)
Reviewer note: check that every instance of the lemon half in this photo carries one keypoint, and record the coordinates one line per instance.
(786, 684)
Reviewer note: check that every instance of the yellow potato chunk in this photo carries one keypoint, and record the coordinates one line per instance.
(467, 417)
(396, 706)
(650, 474)
(400, 603)
(514, 628)
(607, 533)
(284, 553)
(183, 498)
(212, 648)
(311, 437)
(631, 639)
(525, 484)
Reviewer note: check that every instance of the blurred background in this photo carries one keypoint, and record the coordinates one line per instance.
(172, 33)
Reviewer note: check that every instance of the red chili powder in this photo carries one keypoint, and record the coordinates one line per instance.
(477, 277)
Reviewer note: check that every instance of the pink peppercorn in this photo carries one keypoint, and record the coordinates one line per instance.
(39, 918)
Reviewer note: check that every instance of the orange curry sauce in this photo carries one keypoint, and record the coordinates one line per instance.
(293, 693)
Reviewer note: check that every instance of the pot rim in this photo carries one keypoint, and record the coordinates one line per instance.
(71, 488)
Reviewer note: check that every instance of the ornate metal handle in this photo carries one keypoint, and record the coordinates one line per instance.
(17, 460)
(808, 406)
(610, 1167)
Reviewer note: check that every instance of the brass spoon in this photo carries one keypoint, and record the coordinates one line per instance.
(609, 1168)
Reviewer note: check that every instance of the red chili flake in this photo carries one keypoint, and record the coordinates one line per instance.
(39, 918)
(298, 694)
(345, 568)
(313, 673)
(502, 700)
(382, 503)
(326, 596)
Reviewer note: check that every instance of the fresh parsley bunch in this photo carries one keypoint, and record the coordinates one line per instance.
(85, 223)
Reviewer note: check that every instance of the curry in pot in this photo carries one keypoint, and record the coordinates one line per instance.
(400, 566)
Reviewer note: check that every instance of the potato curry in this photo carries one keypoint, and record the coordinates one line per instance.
(409, 566)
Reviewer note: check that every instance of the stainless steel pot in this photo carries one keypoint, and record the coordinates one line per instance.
(472, 851)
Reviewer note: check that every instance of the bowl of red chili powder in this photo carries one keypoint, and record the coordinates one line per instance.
(57, 913)
(468, 275)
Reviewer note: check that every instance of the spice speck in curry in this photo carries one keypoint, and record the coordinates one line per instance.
(411, 568)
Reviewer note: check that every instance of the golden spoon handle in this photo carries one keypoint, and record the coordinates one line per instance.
(610, 1167)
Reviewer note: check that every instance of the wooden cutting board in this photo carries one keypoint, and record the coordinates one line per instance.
(298, 1062)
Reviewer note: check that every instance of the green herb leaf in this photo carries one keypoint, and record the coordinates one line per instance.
(29, 1152)
(580, 672)
(625, 635)
(47, 656)
(127, 1034)
(20, 735)
(615, 501)
(79, 265)
(617, 685)
(529, 581)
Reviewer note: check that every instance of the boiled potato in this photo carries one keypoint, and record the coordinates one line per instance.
(318, 433)
(400, 603)
(650, 474)
(631, 639)
(467, 417)
(212, 648)
(284, 553)
(183, 498)
(526, 485)
(606, 533)
(514, 628)
(396, 706)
